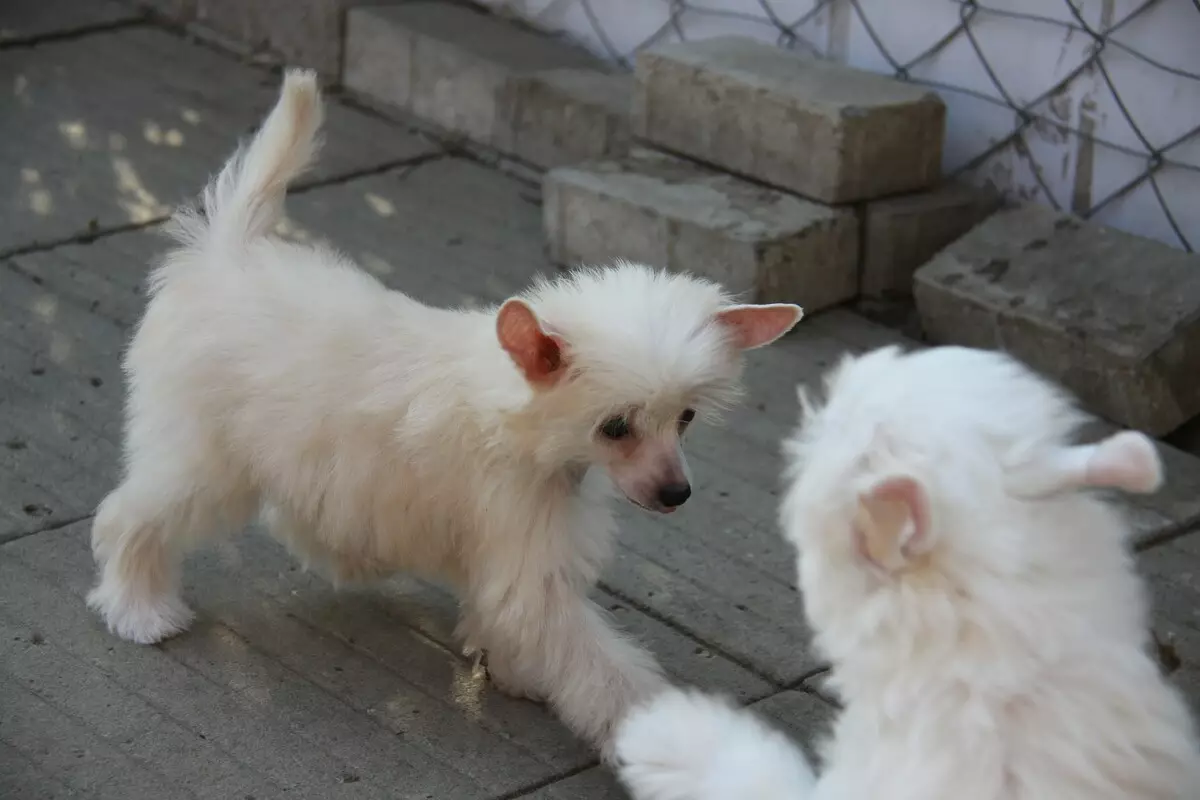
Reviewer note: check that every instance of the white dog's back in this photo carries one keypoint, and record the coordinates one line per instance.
(985, 623)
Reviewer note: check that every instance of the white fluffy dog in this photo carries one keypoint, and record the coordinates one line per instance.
(986, 628)
(379, 434)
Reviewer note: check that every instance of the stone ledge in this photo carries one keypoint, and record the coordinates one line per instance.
(901, 233)
(822, 130)
(477, 76)
(758, 242)
(1113, 317)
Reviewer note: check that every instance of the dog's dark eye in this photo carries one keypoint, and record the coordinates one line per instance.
(686, 418)
(615, 428)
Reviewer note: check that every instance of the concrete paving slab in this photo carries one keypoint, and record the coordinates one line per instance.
(114, 129)
(17, 773)
(596, 783)
(1173, 573)
(285, 641)
(29, 20)
(228, 692)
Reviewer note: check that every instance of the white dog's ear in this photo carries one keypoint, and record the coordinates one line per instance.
(891, 523)
(539, 355)
(755, 326)
(1127, 461)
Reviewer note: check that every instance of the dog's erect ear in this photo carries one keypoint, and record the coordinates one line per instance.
(539, 355)
(755, 326)
(891, 523)
(1127, 461)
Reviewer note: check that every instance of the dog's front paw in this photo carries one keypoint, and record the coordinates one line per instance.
(143, 622)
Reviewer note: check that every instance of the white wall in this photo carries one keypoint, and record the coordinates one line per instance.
(1054, 161)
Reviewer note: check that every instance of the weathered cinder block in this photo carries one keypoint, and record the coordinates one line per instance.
(902, 233)
(466, 72)
(564, 116)
(298, 32)
(1113, 317)
(826, 131)
(670, 213)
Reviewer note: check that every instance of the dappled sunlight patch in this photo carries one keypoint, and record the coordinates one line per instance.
(288, 229)
(466, 690)
(21, 90)
(375, 265)
(74, 133)
(135, 199)
(240, 679)
(45, 308)
(380, 205)
(153, 133)
(39, 199)
(190, 115)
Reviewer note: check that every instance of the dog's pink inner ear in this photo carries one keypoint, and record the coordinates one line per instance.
(756, 326)
(537, 354)
(891, 525)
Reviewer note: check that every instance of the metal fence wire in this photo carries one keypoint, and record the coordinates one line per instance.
(1091, 106)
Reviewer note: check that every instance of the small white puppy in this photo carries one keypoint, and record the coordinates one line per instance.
(379, 434)
(985, 625)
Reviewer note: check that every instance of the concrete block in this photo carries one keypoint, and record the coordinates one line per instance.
(652, 208)
(564, 116)
(902, 233)
(1113, 317)
(450, 66)
(26, 20)
(823, 130)
(297, 32)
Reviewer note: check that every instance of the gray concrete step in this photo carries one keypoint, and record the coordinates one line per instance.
(1113, 317)
(814, 127)
(481, 77)
(762, 244)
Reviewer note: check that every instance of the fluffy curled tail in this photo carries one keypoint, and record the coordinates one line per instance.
(245, 200)
(691, 746)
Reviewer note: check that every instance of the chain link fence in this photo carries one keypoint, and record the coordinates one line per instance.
(1090, 106)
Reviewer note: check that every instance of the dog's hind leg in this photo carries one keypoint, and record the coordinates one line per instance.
(140, 534)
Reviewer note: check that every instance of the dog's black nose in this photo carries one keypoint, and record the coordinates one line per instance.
(674, 494)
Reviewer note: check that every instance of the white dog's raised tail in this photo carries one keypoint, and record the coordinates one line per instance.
(245, 200)
(692, 746)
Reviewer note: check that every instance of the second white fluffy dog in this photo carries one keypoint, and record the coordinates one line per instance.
(380, 434)
(986, 629)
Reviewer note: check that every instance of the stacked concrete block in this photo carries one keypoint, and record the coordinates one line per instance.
(901, 233)
(764, 244)
(748, 115)
(300, 32)
(813, 127)
(564, 116)
(1114, 317)
(475, 75)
